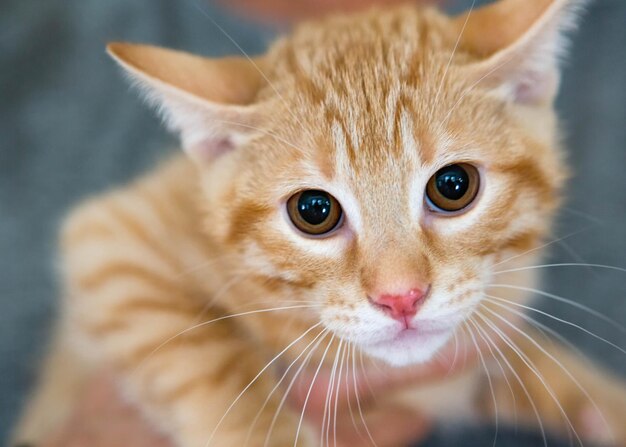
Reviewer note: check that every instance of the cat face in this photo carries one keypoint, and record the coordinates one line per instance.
(362, 175)
(376, 175)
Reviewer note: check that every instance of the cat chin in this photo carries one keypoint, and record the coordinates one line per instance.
(407, 349)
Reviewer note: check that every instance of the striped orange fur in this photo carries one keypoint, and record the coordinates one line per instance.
(191, 280)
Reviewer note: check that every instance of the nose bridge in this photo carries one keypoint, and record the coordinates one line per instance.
(391, 245)
(397, 264)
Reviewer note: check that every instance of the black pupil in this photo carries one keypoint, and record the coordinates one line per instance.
(314, 207)
(452, 182)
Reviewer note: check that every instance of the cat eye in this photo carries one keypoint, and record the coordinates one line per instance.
(314, 212)
(453, 187)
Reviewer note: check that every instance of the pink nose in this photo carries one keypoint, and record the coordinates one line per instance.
(401, 307)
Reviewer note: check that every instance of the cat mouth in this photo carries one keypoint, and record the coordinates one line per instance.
(401, 346)
(415, 332)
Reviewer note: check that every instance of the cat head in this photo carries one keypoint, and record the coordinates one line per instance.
(378, 164)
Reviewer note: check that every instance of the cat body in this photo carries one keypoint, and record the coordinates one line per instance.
(307, 226)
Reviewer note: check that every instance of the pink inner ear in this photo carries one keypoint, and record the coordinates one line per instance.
(210, 148)
(533, 87)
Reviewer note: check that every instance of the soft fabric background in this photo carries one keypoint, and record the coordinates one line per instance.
(69, 127)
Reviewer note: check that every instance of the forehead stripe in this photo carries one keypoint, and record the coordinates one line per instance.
(343, 148)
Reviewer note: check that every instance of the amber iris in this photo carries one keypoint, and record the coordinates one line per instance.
(314, 212)
(453, 187)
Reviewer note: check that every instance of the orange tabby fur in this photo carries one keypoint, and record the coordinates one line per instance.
(367, 107)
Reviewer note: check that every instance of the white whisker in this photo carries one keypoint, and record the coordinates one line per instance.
(519, 380)
(263, 131)
(591, 218)
(278, 383)
(358, 399)
(488, 343)
(548, 388)
(564, 264)
(327, 403)
(270, 363)
(308, 394)
(532, 250)
(456, 46)
(545, 330)
(469, 89)
(366, 378)
(350, 351)
(557, 362)
(524, 358)
(561, 299)
(215, 320)
(219, 294)
(552, 317)
(291, 383)
(254, 64)
(491, 388)
(202, 265)
(343, 356)
(456, 352)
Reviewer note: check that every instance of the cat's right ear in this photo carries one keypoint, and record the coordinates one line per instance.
(208, 101)
(517, 45)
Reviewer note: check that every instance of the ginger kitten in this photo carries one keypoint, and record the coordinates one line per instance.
(377, 183)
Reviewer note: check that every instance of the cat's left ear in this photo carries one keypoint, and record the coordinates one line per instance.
(208, 101)
(518, 44)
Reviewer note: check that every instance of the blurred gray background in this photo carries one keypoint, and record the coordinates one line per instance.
(70, 127)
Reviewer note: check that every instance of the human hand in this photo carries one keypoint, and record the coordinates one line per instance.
(358, 416)
(103, 418)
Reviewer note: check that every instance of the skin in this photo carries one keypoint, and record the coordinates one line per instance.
(103, 416)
